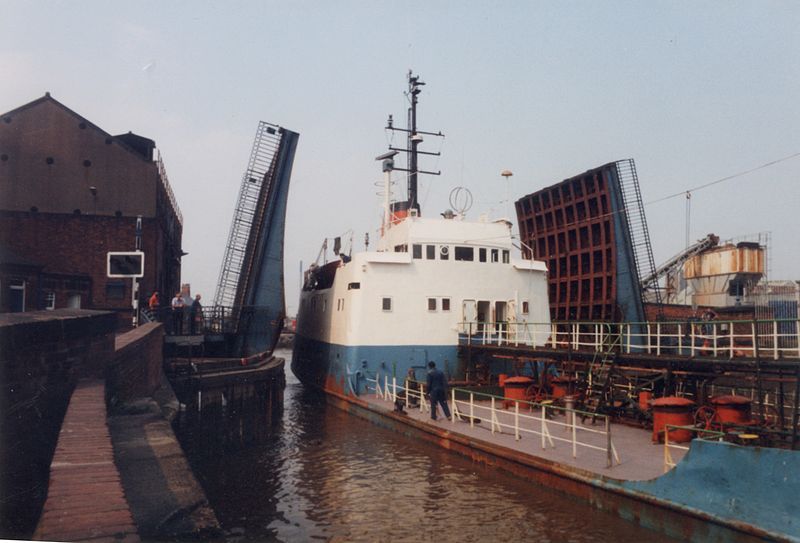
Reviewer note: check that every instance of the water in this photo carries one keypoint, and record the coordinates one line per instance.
(325, 475)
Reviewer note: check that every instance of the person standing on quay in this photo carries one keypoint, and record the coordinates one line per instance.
(153, 304)
(437, 390)
(177, 314)
(196, 315)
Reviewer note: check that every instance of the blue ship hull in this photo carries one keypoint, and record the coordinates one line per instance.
(345, 369)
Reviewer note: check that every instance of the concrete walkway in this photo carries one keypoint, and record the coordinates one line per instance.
(166, 499)
(85, 498)
(639, 457)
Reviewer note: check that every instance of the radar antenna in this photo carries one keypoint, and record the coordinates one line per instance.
(414, 138)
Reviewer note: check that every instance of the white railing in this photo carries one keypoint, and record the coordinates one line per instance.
(518, 423)
(722, 339)
(669, 446)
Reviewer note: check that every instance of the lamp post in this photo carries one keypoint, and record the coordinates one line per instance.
(507, 175)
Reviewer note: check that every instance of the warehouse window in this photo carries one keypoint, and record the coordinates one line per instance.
(115, 290)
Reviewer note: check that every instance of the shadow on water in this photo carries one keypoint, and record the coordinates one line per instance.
(321, 474)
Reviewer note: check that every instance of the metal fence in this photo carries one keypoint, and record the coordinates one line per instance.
(774, 338)
(532, 418)
(669, 446)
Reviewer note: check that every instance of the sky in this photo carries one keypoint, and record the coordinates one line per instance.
(692, 91)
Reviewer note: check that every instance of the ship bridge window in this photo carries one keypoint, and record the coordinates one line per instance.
(386, 304)
(416, 250)
(495, 255)
(444, 252)
(430, 252)
(431, 304)
(465, 253)
(506, 257)
(482, 254)
(353, 286)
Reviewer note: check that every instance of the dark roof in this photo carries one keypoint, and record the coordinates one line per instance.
(118, 139)
(10, 258)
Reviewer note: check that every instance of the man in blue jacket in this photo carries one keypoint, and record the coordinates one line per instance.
(437, 390)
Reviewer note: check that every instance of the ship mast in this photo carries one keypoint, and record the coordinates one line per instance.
(413, 139)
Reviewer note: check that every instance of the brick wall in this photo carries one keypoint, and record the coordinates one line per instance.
(42, 354)
(72, 249)
(136, 369)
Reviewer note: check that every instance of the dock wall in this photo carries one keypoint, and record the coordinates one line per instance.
(42, 356)
(136, 368)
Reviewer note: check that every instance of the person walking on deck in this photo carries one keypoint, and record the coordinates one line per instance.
(437, 390)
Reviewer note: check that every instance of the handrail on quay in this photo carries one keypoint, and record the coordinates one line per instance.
(516, 422)
(703, 435)
(774, 339)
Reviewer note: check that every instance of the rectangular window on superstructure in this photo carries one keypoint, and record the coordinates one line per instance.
(416, 250)
(495, 255)
(430, 252)
(431, 304)
(445, 304)
(525, 307)
(50, 300)
(353, 286)
(465, 253)
(401, 248)
(444, 252)
(506, 257)
(386, 304)
(482, 254)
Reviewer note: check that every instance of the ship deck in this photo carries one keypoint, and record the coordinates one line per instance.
(639, 457)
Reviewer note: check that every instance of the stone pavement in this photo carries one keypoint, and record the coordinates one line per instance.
(85, 498)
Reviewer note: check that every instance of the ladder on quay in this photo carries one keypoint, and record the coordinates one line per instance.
(598, 396)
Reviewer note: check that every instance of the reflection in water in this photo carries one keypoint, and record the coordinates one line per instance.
(325, 475)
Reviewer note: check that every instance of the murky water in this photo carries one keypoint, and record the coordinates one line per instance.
(326, 475)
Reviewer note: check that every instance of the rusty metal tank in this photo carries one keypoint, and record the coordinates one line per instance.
(674, 411)
(732, 409)
(514, 388)
(562, 386)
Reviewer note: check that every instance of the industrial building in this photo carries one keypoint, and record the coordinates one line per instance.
(70, 192)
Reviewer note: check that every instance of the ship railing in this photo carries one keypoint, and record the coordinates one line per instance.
(669, 446)
(540, 420)
(775, 339)
(525, 417)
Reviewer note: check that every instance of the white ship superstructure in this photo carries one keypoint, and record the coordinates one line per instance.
(404, 304)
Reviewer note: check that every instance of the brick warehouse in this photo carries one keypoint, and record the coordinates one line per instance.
(69, 193)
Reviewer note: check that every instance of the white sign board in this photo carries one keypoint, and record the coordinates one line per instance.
(125, 264)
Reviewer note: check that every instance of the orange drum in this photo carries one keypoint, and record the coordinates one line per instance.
(674, 411)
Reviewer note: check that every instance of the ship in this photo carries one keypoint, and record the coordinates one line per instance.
(394, 310)
(369, 322)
